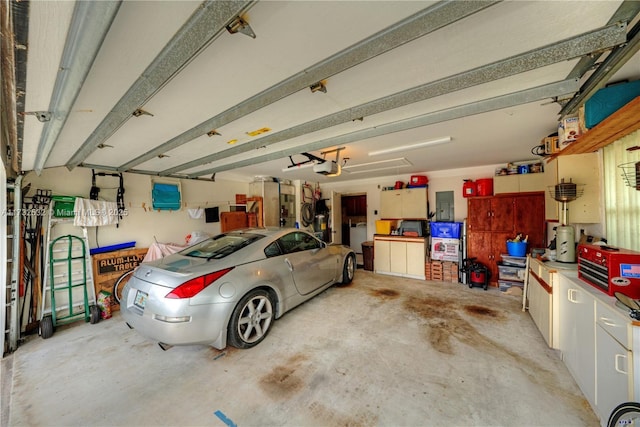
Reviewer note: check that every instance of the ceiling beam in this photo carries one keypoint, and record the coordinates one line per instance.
(90, 24)
(625, 13)
(613, 62)
(574, 47)
(424, 22)
(204, 26)
(539, 93)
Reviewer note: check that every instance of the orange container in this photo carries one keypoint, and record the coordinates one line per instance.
(485, 186)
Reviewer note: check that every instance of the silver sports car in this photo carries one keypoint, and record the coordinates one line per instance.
(231, 287)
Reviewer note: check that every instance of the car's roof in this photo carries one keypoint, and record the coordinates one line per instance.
(267, 231)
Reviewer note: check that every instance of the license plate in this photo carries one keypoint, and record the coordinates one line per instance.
(141, 299)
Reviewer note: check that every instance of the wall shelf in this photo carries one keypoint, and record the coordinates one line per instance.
(618, 125)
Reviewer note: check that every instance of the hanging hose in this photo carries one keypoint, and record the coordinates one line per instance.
(306, 214)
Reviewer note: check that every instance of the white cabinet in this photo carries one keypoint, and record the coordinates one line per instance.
(521, 183)
(596, 341)
(580, 169)
(400, 256)
(577, 334)
(408, 203)
(381, 256)
(614, 367)
(540, 306)
(270, 193)
(544, 301)
(416, 258)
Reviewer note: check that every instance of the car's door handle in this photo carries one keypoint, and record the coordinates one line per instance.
(289, 265)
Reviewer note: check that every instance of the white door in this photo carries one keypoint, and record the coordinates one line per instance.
(336, 217)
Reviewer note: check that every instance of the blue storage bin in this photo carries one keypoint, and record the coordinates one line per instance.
(608, 100)
(446, 230)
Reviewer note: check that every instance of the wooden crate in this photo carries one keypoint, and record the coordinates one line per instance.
(107, 267)
(436, 270)
(441, 271)
(450, 271)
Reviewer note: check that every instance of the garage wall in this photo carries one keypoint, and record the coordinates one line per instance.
(141, 224)
(622, 202)
(448, 180)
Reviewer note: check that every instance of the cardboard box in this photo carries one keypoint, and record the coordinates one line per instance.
(109, 266)
(568, 131)
(551, 144)
(445, 249)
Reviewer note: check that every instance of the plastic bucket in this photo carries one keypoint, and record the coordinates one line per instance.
(517, 248)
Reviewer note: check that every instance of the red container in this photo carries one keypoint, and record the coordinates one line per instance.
(399, 185)
(485, 187)
(469, 189)
(418, 180)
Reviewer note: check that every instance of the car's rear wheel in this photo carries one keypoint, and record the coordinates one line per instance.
(251, 319)
(349, 269)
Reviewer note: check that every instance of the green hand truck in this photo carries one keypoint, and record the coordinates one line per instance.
(72, 296)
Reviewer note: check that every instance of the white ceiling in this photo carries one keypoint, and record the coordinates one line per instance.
(489, 80)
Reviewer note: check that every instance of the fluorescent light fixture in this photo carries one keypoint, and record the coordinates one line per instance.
(437, 141)
(399, 162)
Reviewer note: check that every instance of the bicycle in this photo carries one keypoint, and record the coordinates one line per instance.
(118, 286)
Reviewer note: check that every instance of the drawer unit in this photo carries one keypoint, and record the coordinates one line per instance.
(511, 273)
(614, 323)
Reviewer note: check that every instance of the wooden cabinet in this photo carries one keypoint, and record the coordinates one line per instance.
(233, 221)
(408, 203)
(354, 205)
(400, 256)
(491, 221)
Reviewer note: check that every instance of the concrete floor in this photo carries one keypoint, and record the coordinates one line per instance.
(383, 351)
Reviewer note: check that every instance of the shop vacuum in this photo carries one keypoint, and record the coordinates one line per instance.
(477, 273)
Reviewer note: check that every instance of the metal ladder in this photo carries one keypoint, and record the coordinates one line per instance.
(48, 287)
(11, 310)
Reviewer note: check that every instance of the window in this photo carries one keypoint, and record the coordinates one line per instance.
(298, 241)
(272, 250)
(221, 245)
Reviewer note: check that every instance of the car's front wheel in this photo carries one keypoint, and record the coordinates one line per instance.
(251, 319)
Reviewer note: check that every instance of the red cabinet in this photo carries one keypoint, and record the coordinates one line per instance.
(493, 220)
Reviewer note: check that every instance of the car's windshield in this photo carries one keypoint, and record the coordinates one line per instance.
(220, 246)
